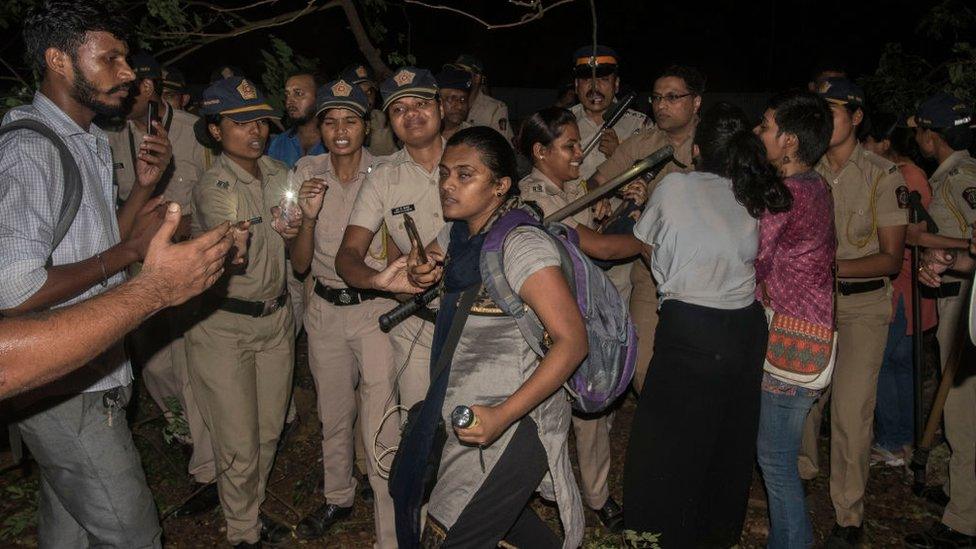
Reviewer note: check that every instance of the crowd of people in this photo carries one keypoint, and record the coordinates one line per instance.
(766, 268)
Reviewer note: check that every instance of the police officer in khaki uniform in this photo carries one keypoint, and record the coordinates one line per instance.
(381, 142)
(942, 130)
(675, 101)
(159, 341)
(597, 85)
(175, 92)
(348, 354)
(485, 110)
(454, 86)
(870, 227)
(241, 349)
(405, 182)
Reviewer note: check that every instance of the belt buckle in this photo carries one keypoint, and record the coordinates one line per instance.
(270, 307)
(345, 297)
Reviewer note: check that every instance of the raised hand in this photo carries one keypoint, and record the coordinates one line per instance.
(177, 272)
(154, 156)
(311, 196)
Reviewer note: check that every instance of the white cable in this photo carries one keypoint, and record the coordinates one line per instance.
(384, 451)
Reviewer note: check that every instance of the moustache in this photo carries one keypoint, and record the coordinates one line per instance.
(591, 95)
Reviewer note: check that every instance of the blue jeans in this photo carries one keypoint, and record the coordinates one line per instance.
(895, 411)
(781, 419)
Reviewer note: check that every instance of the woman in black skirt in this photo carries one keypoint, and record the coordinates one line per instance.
(693, 440)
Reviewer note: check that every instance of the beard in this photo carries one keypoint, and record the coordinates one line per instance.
(85, 92)
(301, 118)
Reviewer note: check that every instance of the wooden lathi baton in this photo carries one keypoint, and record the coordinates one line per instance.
(663, 155)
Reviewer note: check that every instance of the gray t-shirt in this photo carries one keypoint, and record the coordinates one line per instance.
(704, 241)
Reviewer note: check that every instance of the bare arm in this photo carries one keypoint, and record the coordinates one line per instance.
(36, 349)
(887, 262)
(548, 294)
(350, 259)
(67, 281)
(607, 246)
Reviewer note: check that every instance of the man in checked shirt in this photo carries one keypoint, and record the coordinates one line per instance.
(93, 490)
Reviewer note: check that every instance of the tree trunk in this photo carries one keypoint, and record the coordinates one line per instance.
(373, 55)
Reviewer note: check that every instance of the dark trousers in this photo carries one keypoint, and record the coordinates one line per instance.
(500, 508)
(693, 440)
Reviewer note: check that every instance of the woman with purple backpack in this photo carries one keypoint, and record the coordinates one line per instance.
(502, 408)
(692, 442)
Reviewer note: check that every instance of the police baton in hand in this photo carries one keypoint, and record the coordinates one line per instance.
(650, 163)
(610, 119)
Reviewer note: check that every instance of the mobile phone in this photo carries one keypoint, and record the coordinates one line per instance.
(414, 236)
(152, 116)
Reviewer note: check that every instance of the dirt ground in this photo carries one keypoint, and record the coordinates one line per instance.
(892, 510)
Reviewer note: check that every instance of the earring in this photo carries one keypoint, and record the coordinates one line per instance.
(498, 194)
(786, 159)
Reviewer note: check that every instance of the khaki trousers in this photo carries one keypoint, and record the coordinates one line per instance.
(349, 355)
(160, 344)
(862, 333)
(960, 417)
(643, 309)
(593, 453)
(241, 371)
(411, 341)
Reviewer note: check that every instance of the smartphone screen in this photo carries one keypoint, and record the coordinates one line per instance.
(152, 116)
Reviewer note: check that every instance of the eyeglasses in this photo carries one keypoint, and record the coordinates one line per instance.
(670, 98)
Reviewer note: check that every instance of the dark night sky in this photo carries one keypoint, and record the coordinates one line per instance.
(741, 46)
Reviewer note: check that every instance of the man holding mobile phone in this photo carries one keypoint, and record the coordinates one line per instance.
(158, 344)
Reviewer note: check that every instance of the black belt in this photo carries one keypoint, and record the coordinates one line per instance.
(346, 296)
(851, 288)
(951, 289)
(257, 309)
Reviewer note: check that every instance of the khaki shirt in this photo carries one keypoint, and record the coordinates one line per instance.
(488, 111)
(538, 188)
(184, 171)
(381, 142)
(399, 185)
(228, 193)
(953, 204)
(629, 124)
(641, 145)
(462, 126)
(865, 195)
(334, 216)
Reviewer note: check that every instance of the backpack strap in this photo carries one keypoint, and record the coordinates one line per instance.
(71, 197)
(497, 286)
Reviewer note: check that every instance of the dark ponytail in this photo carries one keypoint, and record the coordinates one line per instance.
(727, 147)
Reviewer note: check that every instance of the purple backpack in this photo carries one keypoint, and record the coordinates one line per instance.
(608, 368)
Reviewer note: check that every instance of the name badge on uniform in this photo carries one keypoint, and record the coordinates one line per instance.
(969, 195)
(403, 209)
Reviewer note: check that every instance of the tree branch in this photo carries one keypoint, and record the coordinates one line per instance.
(275, 21)
(537, 5)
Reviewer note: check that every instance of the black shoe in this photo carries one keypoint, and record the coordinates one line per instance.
(272, 531)
(844, 537)
(366, 492)
(939, 536)
(318, 522)
(936, 496)
(204, 501)
(246, 545)
(612, 516)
